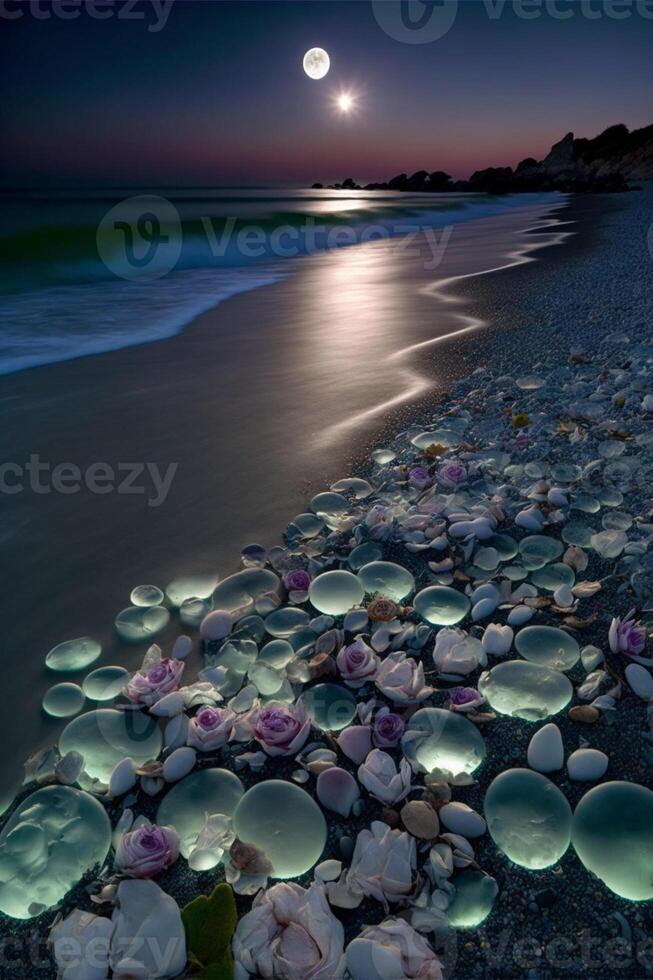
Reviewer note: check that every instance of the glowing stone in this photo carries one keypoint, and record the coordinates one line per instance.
(276, 653)
(612, 834)
(437, 739)
(550, 577)
(525, 690)
(383, 456)
(283, 622)
(105, 683)
(193, 611)
(537, 550)
(473, 901)
(335, 592)
(548, 646)
(186, 805)
(528, 817)
(305, 526)
(54, 837)
(146, 595)
(241, 591)
(190, 587)
(387, 579)
(285, 823)
(360, 489)
(63, 700)
(441, 605)
(330, 504)
(369, 551)
(329, 706)
(73, 655)
(106, 736)
(139, 623)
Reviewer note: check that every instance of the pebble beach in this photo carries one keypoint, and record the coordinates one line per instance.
(426, 715)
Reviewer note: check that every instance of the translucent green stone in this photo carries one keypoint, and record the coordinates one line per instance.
(473, 901)
(566, 472)
(360, 489)
(440, 739)
(63, 700)
(105, 736)
(329, 706)
(267, 680)
(240, 591)
(610, 498)
(276, 653)
(336, 592)
(190, 587)
(136, 624)
(186, 805)
(443, 437)
(54, 837)
(528, 818)
(548, 646)
(73, 655)
(283, 622)
(362, 554)
(552, 576)
(515, 573)
(441, 605)
(387, 579)
(585, 502)
(537, 550)
(306, 526)
(193, 611)
(504, 544)
(330, 504)
(105, 683)
(285, 822)
(612, 834)
(383, 456)
(146, 595)
(525, 690)
(576, 533)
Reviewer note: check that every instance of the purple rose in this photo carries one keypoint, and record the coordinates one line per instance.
(464, 699)
(452, 475)
(150, 686)
(419, 477)
(210, 728)
(388, 729)
(281, 729)
(297, 580)
(357, 664)
(146, 851)
(627, 636)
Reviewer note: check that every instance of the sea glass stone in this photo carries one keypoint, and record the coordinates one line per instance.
(530, 382)
(441, 605)
(525, 690)
(335, 592)
(387, 579)
(537, 550)
(283, 622)
(242, 590)
(73, 655)
(192, 611)
(548, 646)
(146, 595)
(358, 488)
(267, 680)
(283, 821)
(442, 437)
(305, 526)
(364, 553)
(186, 805)
(105, 683)
(612, 833)
(330, 504)
(190, 587)
(276, 654)
(383, 456)
(577, 533)
(553, 576)
(566, 472)
(329, 706)
(473, 901)
(106, 736)
(528, 818)
(53, 838)
(63, 700)
(135, 624)
(437, 739)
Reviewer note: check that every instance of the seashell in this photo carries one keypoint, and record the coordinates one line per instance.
(337, 790)
(420, 820)
(69, 768)
(319, 760)
(545, 749)
(587, 765)
(123, 778)
(576, 558)
(329, 870)
(179, 764)
(584, 590)
(461, 819)
(591, 657)
(356, 742)
(584, 713)
(300, 776)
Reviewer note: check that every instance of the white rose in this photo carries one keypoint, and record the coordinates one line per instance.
(457, 653)
(380, 777)
(497, 639)
(383, 864)
(392, 949)
(401, 679)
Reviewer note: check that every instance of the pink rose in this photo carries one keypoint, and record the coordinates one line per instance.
(388, 729)
(144, 852)
(281, 729)
(419, 477)
(401, 679)
(297, 580)
(150, 686)
(357, 664)
(464, 699)
(210, 728)
(452, 475)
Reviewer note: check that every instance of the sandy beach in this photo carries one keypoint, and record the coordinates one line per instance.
(257, 404)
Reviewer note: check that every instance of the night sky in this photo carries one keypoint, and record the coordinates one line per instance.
(218, 95)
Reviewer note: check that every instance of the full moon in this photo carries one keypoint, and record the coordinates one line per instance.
(316, 63)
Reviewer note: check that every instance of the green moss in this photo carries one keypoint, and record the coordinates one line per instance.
(209, 924)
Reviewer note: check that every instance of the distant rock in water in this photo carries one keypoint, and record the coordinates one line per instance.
(603, 164)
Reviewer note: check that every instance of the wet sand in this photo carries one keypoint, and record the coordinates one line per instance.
(260, 403)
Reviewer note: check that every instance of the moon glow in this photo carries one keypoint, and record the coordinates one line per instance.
(316, 63)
